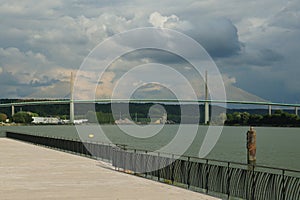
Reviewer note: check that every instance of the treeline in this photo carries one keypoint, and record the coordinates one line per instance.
(19, 117)
(279, 118)
(137, 111)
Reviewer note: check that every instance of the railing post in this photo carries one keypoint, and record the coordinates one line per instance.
(146, 164)
(134, 161)
(283, 185)
(228, 179)
(206, 176)
(158, 166)
(189, 172)
(123, 153)
(253, 184)
(173, 169)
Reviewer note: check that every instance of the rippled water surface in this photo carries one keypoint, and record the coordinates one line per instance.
(276, 147)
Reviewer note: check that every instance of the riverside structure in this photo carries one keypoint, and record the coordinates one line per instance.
(221, 178)
(33, 172)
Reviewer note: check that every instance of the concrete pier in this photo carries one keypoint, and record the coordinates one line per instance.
(31, 172)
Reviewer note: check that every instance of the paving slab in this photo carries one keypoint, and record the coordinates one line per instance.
(33, 172)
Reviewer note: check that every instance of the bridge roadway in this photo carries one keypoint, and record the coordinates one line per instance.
(32, 172)
(67, 101)
(206, 102)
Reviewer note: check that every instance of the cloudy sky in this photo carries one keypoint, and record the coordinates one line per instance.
(255, 44)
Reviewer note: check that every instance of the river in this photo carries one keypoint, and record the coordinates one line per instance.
(276, 147)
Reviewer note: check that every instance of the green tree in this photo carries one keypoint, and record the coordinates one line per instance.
(24, 117)
(255, 119)
(244, 118)
(278, 112)
(3, 117)
(105, 118)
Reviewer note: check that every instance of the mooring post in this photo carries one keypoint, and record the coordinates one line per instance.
(251, 147)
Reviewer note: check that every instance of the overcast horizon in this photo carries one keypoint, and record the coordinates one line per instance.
(254, 44)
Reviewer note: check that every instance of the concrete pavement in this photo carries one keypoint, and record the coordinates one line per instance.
(32, 172)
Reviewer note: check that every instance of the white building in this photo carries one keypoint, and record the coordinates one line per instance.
(80, 121)
(124, 121)
(45, 120)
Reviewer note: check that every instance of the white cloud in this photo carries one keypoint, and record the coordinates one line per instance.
(51, 38)
(171, 22)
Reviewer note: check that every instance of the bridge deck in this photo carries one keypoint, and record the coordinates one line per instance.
(32, 172)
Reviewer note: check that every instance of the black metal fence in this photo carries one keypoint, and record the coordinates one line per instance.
(225, 178)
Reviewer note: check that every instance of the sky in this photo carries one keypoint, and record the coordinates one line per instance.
(255, 44)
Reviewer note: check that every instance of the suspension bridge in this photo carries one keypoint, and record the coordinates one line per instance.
(71, 102)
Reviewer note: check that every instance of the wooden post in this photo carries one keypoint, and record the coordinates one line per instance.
(251, 146)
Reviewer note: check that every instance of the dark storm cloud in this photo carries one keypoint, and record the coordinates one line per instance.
(260, 57)
(13, 86)
(218, 36)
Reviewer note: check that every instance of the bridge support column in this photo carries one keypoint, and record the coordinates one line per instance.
(12, 110)
(72, 99)
(206, 111)
(206, 106)
(72, 112)
(270, 109)
(296, 110)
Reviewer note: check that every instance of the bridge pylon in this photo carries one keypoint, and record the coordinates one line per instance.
(72, 99)
(206, 105)
(12, 110)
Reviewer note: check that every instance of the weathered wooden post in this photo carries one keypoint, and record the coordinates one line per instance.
(251, 146)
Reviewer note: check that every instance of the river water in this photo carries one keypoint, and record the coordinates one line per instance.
(276, 147)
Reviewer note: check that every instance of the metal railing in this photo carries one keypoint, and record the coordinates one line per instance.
(229, 179)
